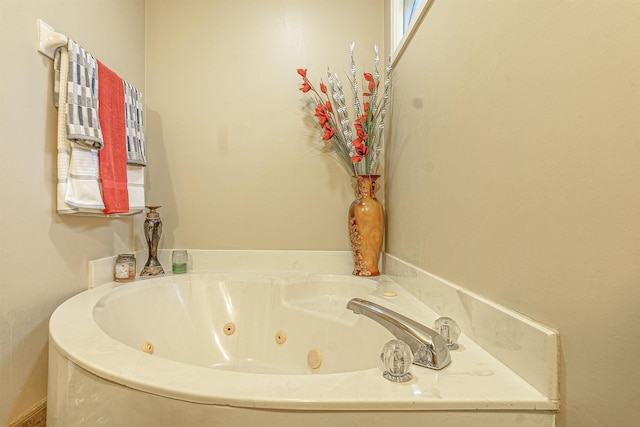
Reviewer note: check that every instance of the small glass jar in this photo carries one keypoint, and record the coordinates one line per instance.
(179, 261)
(125, 268)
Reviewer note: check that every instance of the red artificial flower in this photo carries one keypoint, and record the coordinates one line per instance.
(322, 115)
(361, 135)
(368, 77)
(358, 126)
(328, 105)
(323, 88)
(328, 133)
(359, 141)
(358, 144)
(358, 122)
(361, 152)
(302, 72)
(305, 87)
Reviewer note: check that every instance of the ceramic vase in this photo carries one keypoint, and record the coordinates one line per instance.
(366, 226)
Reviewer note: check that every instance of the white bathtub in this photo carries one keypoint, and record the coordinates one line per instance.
(270, 348)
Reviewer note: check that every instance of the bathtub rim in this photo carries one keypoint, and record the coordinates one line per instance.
(103, 356)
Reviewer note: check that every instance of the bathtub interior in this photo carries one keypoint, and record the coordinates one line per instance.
(249, 322)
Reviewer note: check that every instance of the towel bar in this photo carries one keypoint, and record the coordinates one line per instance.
(49, 39)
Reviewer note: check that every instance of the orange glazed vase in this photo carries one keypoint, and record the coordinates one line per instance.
(366, 226)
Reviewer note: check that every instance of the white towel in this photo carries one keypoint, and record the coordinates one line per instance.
(83, 189)
(78, 189)
(135, 186)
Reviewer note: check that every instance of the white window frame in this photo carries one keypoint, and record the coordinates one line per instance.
(400, 37)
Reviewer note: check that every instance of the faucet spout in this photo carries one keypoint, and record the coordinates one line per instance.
(429, 348)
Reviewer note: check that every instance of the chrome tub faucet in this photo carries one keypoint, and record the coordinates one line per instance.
(429, 348)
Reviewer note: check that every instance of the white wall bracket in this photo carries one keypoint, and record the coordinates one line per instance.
(48, 39)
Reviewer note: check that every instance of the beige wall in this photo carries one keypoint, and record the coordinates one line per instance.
(236, 164)
(43, 256)
(514, 171)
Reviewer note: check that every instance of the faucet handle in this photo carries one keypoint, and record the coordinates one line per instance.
(397, 358)
(450, 331)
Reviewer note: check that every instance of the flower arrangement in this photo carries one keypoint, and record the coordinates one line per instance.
(358, 141)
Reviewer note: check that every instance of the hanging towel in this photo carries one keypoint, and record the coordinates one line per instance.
(113, 156)
(83, 125)
(135, 129)
(135, 186)
(83, 189)
(78, 188)
(136, 157)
